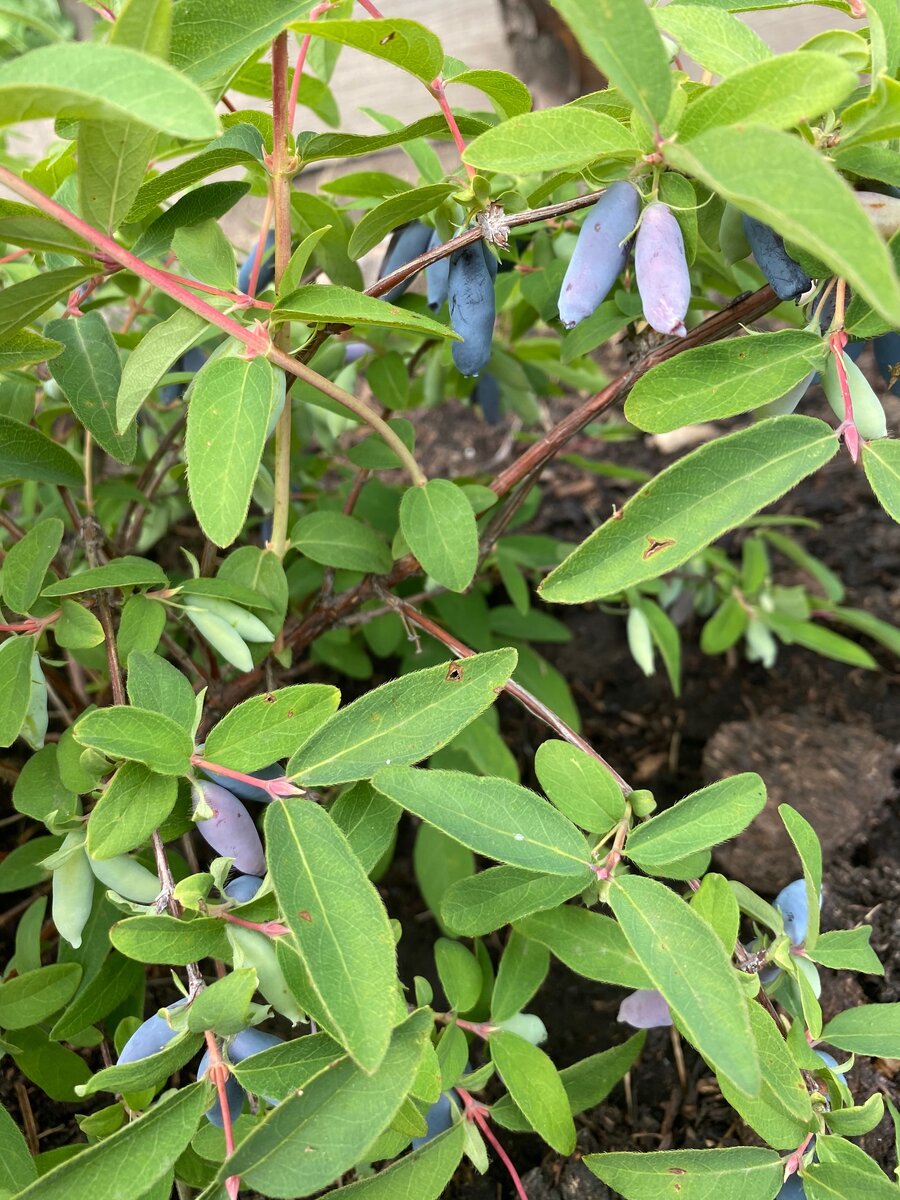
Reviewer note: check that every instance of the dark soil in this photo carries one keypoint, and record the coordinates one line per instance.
(822, 734)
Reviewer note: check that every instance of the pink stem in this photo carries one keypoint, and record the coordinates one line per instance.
(301, 62)
(269, 928)
(436, 88)
(218, 1073)
(372, 10)
(260, 246)
(236, 297)
(476, 1112)
(15, 254)
(256, 341)
(273, 787)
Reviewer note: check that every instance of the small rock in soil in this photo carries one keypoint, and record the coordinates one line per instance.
(567, 1179)
(836, 775)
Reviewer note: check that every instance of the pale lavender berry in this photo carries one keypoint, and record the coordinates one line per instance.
(230, 830)
(663, 278)
(645, 1009)
(600, 253)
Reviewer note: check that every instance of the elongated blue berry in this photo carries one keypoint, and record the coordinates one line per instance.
(438, 1118)
(663, 278)
(791, 903)
(600, 253)
(470, 287)
(407, 243)
(149, 1038)
(234, 1095)
(786, 277)
(486, 394)
(230, 830)
(436, 276)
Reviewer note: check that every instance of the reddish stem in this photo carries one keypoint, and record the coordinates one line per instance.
(301, 62)
(260, 245)
(218, 1073)
(269, 928)
(478, 1113)
(372, 10)
(237, 298)
(15, 254)
(273, 787)
(436, 87)
(32, 624)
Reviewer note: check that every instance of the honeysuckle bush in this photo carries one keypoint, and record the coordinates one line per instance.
(206, 515)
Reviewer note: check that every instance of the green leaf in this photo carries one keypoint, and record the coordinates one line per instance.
(690, 504)
(823, 641)
(507, 93)
(848, 950)
(113, 155)
(210, 51)
(439, 526)
(717, 905)
(116, 980)
(714, 38)
(587, 1083)
(240, 145)
(224, 1006)
(26, 453)
(147, 1072)
(857, 1119)
(139, 735)
(155, 684)
(782, 1113)
(56, 1070)
(143, 1150)
(871, 1029)
(27, 562)
(881, 461)
(551, 139)
(722, 379)
(836, 1181)
(21, 868)
(580, 786)
(204, 252)
(535, 1086)
(317, 146)
(112, 83)
(339, 924)
(16, 654)
(39, 790)
(589, 943)
(205, 203)
(422, 1175)
(119, 573)
(164, 939)
(403, 721)
(493, 898)
(159, 348)
(704, 994)
(17, 1167)
(491, 816)
(231, 401)
(782, 181)
(22, 302)
(749, 1172)
(406, 44)
(809, 851)
(393, 212)
(134, 803)
(621, 39)
(77, 629)
(31, 998)
(282, 1070)
(24, 349)
(141, 625)
(703, 819)
(337, 540)
(315, 1135)
(523, 968)
(324, 303)
(271, 726)
(780, 91)
(459, 972)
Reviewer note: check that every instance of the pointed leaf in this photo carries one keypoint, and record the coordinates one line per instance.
(26, 453)
(16, 654)
(690, 504)
(406, 44)
(535, 1086)
(491, 816)
(749, 1172)
(134, 803)
(493, 898)
(551, 139)
(339, 924)
(403, 721)
(228, 416)
(87, 79)
(881, 461)
(379, 221)
(139, 735)
(589, 943)
(269, 727)
(782, 181)
(422, 1175)
(704, 994)
(322, 303)
(129, 571)
(27, 562)
(22, 302)
(872, 1029)
(338, 540)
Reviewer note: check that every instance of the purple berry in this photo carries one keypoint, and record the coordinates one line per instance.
(786, 277)
(470, 287)
(230, 831)
(600, 253)
(438, 1118)
(407, 243)
(791, 903)
(436, 276)
(243, 888)
(353, 351)
(663, 278)
(645, 1009)
(234, 1094)
(486, 395)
